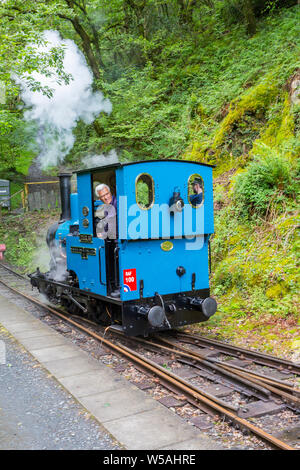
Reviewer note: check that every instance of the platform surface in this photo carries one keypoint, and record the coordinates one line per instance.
(134, 419)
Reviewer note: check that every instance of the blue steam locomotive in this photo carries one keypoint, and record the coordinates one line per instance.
(132, 246)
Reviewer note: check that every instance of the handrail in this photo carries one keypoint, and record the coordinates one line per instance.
(41, 182)
(8, 198)
(25, 192)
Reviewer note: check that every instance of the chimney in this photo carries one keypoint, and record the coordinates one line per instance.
(65, 193)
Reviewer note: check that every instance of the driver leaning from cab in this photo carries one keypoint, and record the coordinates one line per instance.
(105, 217)
(104, 194)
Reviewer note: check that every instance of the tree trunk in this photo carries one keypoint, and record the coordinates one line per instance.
(87, 47)
(249, 16)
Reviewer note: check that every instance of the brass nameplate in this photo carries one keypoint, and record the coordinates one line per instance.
(83, 251)
(86, 238)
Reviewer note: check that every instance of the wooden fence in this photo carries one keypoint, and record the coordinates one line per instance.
(42, 195)
(36, 196)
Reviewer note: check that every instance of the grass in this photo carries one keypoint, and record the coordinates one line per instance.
(25, 238)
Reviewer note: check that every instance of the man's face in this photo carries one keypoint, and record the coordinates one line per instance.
(105, 196)
(197, 188)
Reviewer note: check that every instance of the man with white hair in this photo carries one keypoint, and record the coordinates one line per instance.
(106, 213)
(104, 194)
(106, 229)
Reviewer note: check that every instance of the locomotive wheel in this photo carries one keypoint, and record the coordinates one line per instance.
(99, 313)
(71, 307)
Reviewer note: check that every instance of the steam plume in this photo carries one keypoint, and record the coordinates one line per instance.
(58, 115)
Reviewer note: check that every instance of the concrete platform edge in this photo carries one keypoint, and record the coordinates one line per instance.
(144, 424)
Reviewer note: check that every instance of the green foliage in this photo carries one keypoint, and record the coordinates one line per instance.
(21, 253)
(266, 182)
(21, 27)
(247, 11)
(175, 104)
(22, 24)
(19, 246)
(17, 144)
(242, 111)
(169, 68)
(25, 238)
(255, 266)
(16, 201)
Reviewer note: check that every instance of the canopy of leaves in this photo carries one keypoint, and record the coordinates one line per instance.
(169, 67)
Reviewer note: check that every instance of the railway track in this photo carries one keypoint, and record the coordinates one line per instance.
(258, 357)
(248, 382)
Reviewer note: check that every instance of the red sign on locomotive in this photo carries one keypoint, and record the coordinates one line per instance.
(129, 280)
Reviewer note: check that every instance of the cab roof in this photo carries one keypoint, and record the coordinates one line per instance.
(119, 165)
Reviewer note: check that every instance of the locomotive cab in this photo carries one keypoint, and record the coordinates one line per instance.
(151, 271)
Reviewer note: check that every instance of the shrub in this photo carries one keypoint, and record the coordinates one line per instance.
(269, 180)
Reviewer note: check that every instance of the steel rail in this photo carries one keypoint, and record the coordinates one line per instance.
(164, 374)
(70, 288)
(256, 356)
(256, 375)
(14, 272)
(102, 339)
(242, 422)
(293, 367)
(274, 390)
(211, 365)
(272, 381)
(255, 382)
(256, 378)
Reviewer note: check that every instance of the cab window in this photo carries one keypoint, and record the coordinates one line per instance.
(195, 190)
(144, 191)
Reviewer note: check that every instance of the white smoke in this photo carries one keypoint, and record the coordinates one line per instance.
(93, 161)
(58, 115)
